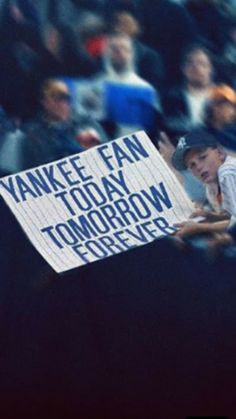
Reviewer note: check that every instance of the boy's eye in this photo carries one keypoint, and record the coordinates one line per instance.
(202, 156)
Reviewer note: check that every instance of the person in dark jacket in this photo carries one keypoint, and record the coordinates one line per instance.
(56, 132)
(168, 28)
(63, 55)
(19, 55)
(15, 15)
(19, 74)
(209, 15)
(184, 105)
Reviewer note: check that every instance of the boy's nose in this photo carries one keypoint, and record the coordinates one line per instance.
(199, 168)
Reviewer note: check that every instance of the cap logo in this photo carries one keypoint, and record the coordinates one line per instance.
(182, 143)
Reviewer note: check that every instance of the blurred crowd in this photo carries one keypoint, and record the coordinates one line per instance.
(181, 55)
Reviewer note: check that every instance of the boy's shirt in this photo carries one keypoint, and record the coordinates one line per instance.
(222, 194)
(227, 183)
(214, 196)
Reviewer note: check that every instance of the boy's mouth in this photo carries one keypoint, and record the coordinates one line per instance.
(204, 176)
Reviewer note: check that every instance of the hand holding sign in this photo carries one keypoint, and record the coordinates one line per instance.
(88, 138)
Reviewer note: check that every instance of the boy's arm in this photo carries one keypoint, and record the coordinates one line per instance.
(210, 216)
(191, 228)
(227, 179)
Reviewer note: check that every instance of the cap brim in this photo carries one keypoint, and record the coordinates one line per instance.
(178, 158)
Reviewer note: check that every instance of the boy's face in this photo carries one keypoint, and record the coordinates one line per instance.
(204, 163)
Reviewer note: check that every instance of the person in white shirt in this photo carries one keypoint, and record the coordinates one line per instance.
(119, 72)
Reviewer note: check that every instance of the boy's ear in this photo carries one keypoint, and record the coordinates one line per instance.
(222, 153)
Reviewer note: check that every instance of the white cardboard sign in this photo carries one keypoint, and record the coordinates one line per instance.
(98, 203)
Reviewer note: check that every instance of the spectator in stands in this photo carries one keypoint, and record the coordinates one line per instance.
(147, 61)
(63, 56)
(209, 15)
(91, 34)
(168, 28)
(208, 161)
(9, 141)
(19, 74)
(227, 61)
(11, 151)
(56, 132)
(220, 115)
(119, 70)
(221, 107)
(18, 14)
(5, 122)
(184, 106)
(119, 61)
(19, 55)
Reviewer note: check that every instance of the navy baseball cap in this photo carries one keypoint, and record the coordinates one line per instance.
(197, 138)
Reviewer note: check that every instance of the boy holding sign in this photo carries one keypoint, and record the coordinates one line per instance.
(200, 152)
